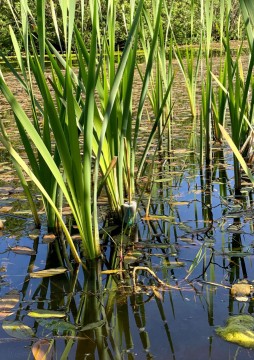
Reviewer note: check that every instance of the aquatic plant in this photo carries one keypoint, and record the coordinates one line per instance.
(239, 330)
(206, 86)
(189, 63)
(240, 97)
(65, 169)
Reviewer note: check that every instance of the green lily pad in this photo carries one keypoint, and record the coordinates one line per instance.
(239, 330)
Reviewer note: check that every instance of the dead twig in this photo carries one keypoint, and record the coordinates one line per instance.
(145, 268)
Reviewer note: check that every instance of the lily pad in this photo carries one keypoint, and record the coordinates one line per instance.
(239, 330)
(17, 329)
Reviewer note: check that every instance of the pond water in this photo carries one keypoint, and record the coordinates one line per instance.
(198, 240)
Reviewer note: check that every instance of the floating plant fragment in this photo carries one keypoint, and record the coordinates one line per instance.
(23, 250)
(43, 349)
(17, 329)
(48, 272)
(239, 330)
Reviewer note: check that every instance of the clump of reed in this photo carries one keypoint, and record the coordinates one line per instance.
(80, 137)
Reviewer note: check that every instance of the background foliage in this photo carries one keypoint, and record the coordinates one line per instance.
(181, 10)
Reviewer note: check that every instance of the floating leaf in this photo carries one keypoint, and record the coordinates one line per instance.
(8, 301)
(66, 210)
(173, 264)
(179, 203)
(76, 237)
(5, 314)
(129, 259)
(109, 272)
(93, 325)
(5, 209)
(41, 313)
(43, 349)
(48, 272)
(136, 254)
(49, 238)
(17, 329)
(34, 235)
(56, 325)
(23, 250)
(236, 254)
(1, 224)
(158, 217)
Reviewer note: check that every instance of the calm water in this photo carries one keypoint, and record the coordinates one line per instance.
(195, 219)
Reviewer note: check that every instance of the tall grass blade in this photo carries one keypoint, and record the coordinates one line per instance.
(237, 153)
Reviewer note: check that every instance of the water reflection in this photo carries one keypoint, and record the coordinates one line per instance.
(192, 231)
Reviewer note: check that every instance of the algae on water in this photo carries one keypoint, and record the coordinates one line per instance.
(239, 330)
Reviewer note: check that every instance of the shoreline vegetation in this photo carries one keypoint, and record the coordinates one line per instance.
(215, 46)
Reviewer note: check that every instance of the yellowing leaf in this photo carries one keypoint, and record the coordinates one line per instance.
(111, 271)
(41, 313)
(157, 293)
(43, 349)
(48, 272)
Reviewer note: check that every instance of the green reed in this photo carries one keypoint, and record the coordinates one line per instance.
(189, 63)
(240, 98)
(70, 116)
(219, 97)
